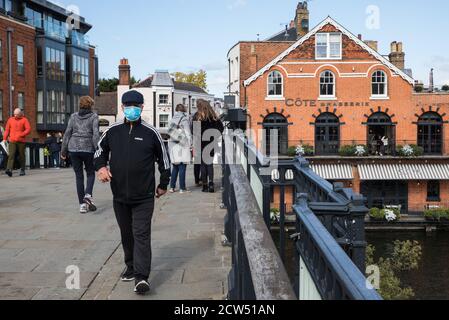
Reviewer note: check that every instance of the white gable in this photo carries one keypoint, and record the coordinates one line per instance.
(343, 30)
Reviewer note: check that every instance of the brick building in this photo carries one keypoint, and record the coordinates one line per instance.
(45, 66)
(351, 109)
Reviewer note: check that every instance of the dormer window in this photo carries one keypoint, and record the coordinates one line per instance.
(328, 46)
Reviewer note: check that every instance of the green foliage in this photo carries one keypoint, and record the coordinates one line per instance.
(405, 257)
(348, 151)
(110, 85)
(436, 214)
(417, 151)
(381, 214)
(445, 87)
(419, 88)
(291, 152)
(376, 213)
(196, 78)
(309, 150)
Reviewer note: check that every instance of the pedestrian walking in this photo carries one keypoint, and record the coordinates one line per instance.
(180, 147)
(207, 132)
(126, 158)
(17, 130)
(3, 154)
(54, 149)
(80, 142)
(196, 162)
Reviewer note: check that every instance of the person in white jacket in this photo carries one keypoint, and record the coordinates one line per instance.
(180, 148)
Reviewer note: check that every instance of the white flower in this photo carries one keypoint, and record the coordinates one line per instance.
(360, 151)
(390, 216)
(300, 151)
(408, 150)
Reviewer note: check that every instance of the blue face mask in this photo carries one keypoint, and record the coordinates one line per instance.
(133, 113)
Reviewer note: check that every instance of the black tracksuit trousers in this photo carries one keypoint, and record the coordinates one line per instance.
(135, 228)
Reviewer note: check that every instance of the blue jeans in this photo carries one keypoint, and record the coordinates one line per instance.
(179, 169)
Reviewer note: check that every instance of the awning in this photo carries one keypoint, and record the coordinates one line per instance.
(333, 171)
(403, 172)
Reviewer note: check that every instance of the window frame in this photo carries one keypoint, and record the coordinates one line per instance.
(275, 84)
(21, 100)
(334, 86)
(161, 102)
(385, 84)
(20, 64)
(328, 46)
(437, 189)
(160, 122)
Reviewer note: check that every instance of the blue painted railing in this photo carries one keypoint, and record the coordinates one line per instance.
(330, 236)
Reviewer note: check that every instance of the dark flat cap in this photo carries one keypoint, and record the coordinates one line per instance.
(132, 97)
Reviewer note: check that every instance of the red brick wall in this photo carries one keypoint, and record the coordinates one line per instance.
(418, 195)
(254, 56)
(402, 105)
(24, 36)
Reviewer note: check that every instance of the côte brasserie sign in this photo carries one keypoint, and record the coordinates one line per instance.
(318, 103)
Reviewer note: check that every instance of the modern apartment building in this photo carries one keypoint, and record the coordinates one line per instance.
(46, 63)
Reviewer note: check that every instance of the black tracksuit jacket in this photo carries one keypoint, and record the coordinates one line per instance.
(131, 153)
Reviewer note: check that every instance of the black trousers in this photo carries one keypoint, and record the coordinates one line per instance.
(207, 173)
(135, 228)
(197, 173)
(80, 161)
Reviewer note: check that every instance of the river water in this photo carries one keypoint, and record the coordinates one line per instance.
(431, 281)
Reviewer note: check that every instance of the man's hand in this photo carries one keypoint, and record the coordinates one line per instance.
(160, 193)
(104, 175)
(63, 157)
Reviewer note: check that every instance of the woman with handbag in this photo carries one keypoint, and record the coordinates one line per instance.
(180, 148)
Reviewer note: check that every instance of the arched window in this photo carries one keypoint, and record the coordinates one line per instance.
(327, 84)
(379, 84)
(327, 134)
(276, 125)
(275, 84)
(430, 133)
(381, 134)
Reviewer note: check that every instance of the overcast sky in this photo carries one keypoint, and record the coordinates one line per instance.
(188, 35)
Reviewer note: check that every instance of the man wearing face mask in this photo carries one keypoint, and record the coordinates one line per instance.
(126, 157)
(17, 129)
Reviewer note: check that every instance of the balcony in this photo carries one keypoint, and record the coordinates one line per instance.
(359, 149)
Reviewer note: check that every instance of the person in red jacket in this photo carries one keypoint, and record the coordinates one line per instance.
(17, 129)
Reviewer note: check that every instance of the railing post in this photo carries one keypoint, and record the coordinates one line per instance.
(358, 213)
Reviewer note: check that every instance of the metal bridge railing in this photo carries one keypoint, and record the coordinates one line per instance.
(329, 240)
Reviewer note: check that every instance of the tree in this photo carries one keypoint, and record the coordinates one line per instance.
(405, 257)
(196, 78)
(110, 85)
(445, 87)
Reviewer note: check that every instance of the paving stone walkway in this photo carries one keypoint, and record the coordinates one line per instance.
(42, 233)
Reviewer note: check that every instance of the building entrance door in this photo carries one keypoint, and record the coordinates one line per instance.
(386, 193)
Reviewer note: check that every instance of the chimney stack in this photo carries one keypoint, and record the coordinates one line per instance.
(372, 44)
(397, 55)
(124, 71)
(431, 81)
(302, 19)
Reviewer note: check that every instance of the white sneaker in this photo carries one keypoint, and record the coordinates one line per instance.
(84, 208)
(89, 201)
(171, 190)
(184, 191)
